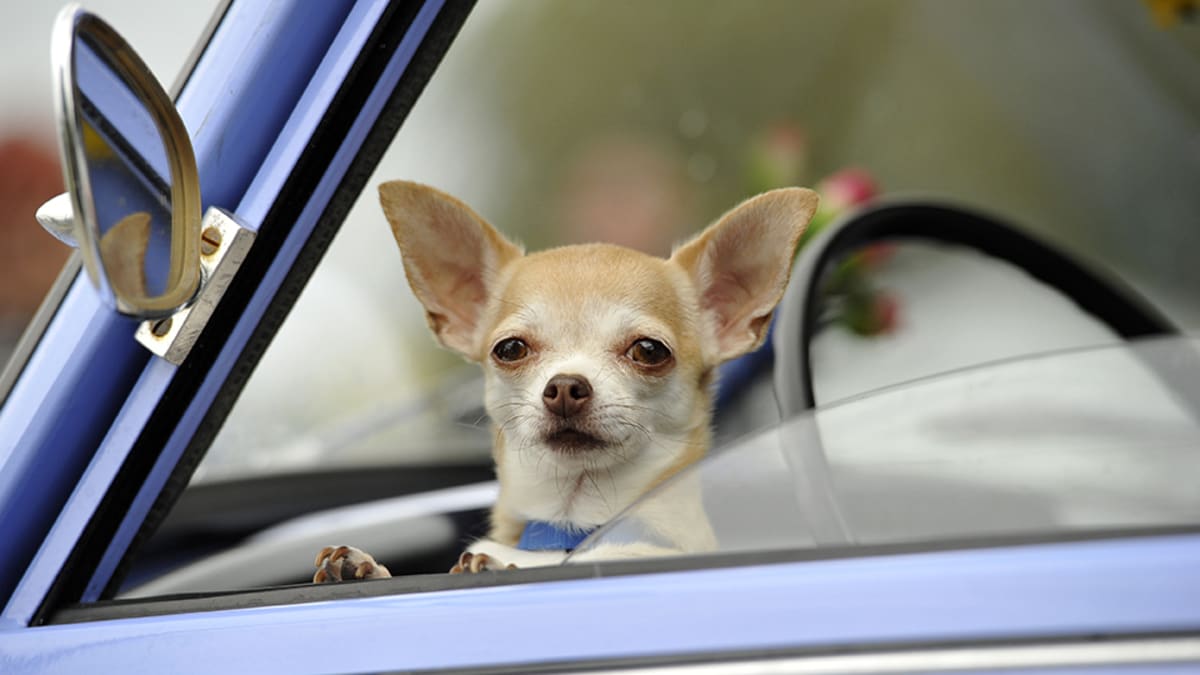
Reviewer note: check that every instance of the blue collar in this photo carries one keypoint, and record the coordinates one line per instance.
(540, 535)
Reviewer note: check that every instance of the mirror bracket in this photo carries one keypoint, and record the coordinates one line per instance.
(224, 243)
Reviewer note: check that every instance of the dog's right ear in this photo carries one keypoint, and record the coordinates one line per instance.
(452, 258)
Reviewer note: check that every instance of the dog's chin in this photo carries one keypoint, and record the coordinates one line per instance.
(570, 441)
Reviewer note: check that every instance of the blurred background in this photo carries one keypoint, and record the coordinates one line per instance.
(639, 123)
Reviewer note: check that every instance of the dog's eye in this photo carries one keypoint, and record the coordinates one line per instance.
(512, 349)
(648, 352)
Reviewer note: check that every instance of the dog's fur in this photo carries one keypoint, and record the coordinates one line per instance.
(578, 450)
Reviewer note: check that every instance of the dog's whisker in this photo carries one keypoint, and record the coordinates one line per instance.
(591, 476)
(635, 408)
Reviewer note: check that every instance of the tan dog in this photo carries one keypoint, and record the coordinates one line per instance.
(599, 364)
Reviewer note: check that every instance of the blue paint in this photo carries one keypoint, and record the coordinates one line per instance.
(246, 85)
(540, 535)
(87, 495)
(56, 414)
(1118, 587)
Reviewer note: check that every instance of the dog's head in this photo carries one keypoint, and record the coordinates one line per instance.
(596, 355)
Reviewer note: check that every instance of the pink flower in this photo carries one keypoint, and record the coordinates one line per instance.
(886, 314)
(871, 313)
(785, 139)
(846, 188)
(876, 255)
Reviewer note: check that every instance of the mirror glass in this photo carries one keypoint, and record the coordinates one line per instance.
(131, 173)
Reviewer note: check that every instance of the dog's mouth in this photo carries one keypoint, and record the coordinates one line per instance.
(571, 440)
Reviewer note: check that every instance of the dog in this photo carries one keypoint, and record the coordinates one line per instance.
(599, 366)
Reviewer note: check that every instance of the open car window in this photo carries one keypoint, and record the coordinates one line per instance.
(1055, 444)
(640, 124)
(604, 129)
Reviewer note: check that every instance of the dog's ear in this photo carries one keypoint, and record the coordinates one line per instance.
(740, 265)
(452, 258)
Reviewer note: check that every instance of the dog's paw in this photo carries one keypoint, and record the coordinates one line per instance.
(471, 563)
(344, 563)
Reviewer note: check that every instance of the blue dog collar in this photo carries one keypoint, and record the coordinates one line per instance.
(540, 535)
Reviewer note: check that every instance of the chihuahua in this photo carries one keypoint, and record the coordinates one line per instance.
(599, 366)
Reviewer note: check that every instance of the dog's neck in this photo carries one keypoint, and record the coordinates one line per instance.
(587, 497)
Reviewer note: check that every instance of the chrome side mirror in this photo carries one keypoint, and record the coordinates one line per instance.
(133, 195)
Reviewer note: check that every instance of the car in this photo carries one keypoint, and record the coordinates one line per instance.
(1015, 492)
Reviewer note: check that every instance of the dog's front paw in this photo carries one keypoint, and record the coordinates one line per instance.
(340, 563)
(471, 563)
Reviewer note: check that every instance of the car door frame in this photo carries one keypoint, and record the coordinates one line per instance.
(290, 105)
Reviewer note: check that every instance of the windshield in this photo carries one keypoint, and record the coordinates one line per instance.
(1066, 442)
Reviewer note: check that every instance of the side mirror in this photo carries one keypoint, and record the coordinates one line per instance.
(133, 194)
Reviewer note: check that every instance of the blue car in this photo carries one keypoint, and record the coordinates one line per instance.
(965, 449)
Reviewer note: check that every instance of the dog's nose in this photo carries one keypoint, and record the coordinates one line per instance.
(565, 395)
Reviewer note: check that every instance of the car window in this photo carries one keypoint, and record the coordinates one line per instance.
(1066, 442)
(638, 124)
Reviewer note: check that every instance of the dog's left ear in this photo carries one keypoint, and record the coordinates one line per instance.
(740, 265)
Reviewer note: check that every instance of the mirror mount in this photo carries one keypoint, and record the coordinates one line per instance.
(224, 243)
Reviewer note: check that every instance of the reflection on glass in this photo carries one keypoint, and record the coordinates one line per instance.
(1066, 442)
(129, 179)
(899, 310)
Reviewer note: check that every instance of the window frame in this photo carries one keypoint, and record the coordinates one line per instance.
(291, 105)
